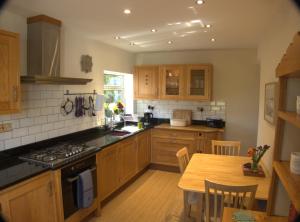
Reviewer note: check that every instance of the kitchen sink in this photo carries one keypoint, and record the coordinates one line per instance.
(119, 133)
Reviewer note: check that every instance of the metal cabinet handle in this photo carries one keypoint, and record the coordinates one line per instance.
(15, 93)
(72, 179)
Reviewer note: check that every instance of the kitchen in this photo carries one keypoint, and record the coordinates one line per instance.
(237, 66)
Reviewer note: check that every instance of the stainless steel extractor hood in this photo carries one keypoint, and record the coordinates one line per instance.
(43, 53)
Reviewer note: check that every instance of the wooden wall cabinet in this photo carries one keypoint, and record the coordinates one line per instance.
(172, 81)
(199, 82)
(32, 200)
(146, 82)
(9, 72)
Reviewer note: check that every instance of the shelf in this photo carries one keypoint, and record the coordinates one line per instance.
(290, 117)
(291, 182)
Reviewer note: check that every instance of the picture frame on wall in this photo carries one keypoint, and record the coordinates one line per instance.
(270, 110)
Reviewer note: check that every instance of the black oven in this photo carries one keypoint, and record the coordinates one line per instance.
(69, 177)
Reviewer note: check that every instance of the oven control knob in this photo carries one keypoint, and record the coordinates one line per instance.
(67, 155)
(70, 154)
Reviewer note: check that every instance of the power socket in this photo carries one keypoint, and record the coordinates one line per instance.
(200, 109)
(5, 127)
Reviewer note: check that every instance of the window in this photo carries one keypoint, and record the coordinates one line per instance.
(118, 87)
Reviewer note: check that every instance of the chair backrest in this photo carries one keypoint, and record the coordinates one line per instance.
(230, 148)
(183, 158)
(218, 195)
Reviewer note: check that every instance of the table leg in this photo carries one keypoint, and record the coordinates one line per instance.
(199, 211)
(187, 206)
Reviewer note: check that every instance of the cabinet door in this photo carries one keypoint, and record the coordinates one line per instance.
(164, 150)
(9, 73)
(144, 149)
(146, 82)
(108, 177)
(199, 81)
(127, 159)
(33, 201)
(172, 81)
(204, 141)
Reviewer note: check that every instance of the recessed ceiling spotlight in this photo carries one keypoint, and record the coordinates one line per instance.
(127, 11)
(205, 31)
(213, 40)
(195, 21)
(153, 30)
(188, 24)
(208, 26)
(170, 42)
(199, 2)
(132, 43)
(117, 37)
(191, 32)
(178, 23)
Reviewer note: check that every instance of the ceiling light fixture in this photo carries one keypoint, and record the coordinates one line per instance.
(127, 11)
(199, 2)
(195, 21)
(117, 37)
(153, 30)
(208, 26)
(188, 24)
(132, 43)
(213, 40)
(178, 23)
(170, 42)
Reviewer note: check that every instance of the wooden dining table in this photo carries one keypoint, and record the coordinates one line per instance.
(223, 170)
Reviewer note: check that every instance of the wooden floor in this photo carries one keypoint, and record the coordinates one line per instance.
(154, 197)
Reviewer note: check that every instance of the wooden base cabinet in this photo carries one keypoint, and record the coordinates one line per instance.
(144, 150)
(33, 200)
(204, 141)
(119, 163)
(127, 158)
(107, 172)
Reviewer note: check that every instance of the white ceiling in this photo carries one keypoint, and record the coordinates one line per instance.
(235, 23)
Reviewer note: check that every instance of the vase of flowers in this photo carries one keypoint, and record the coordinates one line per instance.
(256, 153)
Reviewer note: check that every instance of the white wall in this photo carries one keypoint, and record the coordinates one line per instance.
(272, 47)
(40, 103)
(235, 81)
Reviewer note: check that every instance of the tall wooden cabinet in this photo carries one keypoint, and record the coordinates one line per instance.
(146, 82)
(9, 72)
(32, 200)
(287, 70)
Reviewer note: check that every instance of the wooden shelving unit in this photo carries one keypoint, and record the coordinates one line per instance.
(290, 181)
(289, 67)
(290, 117)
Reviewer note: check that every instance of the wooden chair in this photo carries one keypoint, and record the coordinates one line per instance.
(241, 197)
(230, 148)
(189, 197)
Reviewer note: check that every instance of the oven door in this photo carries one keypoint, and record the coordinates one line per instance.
(69, 177)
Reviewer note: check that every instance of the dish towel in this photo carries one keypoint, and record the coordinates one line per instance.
(85, 189)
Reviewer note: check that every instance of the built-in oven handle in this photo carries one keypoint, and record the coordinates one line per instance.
(72, 179)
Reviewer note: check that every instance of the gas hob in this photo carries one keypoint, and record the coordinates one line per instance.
(58, 155)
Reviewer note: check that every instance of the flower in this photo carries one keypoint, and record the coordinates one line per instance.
(257, 153)
(251, 151)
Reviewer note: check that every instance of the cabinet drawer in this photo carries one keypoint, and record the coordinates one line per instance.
(164, 150)
(173, 134)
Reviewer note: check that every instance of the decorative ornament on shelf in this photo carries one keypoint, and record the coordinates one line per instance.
(256, 154)
(86, 63)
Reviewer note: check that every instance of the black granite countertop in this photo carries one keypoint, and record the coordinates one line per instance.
(13, 170)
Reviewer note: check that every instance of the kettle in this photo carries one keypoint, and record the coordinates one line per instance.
(147, 118)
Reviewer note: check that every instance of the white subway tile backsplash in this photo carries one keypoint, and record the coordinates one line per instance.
(20, 132)
(41, 117)
(12, 143)
(26, 122)
(27, 139)
(34, 129)
(5, 136)
(164, 108)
